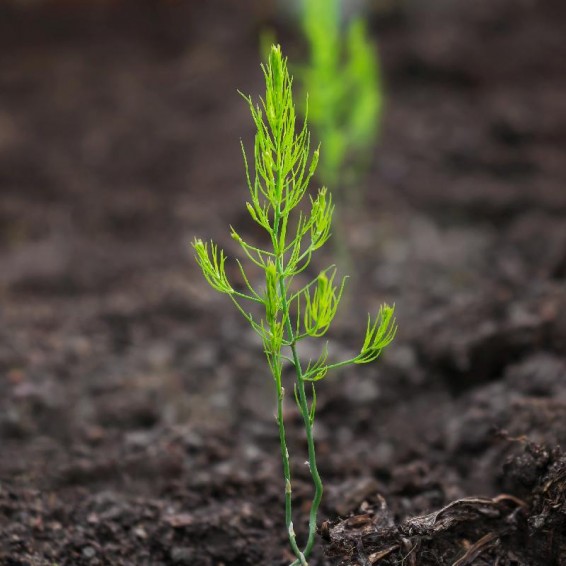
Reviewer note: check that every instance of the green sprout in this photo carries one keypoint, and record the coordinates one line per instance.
(345, 94)
(283, 167)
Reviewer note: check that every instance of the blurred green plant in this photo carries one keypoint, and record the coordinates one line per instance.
(283, 167)
(345, 94)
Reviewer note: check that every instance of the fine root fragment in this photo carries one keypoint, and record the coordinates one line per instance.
(486, 542)
(377, 556)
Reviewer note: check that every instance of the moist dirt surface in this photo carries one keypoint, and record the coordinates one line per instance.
(136, 410)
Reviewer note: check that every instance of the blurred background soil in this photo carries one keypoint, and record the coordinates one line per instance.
(136, 411)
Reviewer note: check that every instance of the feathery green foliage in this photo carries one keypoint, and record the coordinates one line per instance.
(278, 180)
(345, 96)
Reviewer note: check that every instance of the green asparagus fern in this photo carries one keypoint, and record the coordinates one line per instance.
(278, 182)
(345, 94)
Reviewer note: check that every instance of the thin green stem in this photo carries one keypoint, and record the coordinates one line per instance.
(287, 474)
(301, 560)
(303, 406)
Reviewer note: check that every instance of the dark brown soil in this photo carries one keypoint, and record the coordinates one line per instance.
(136, 411)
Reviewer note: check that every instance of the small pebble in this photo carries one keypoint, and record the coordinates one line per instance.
(88, 552)
(182, 555)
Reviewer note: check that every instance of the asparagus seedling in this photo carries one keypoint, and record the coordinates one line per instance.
(278, 182)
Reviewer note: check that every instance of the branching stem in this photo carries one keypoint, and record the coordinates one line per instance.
(305, 413)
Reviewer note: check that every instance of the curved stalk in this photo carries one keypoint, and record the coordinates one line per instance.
(304, 409)
(301, 558)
